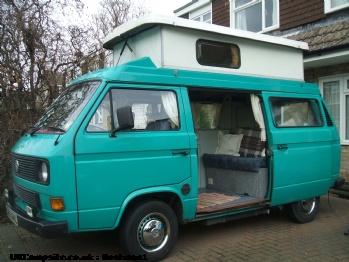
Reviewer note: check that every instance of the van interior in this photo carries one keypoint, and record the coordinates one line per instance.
(233, 169)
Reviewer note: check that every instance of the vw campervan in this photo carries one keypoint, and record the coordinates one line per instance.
(195, 122)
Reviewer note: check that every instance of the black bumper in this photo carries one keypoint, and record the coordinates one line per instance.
(339, 182)
(38, 226)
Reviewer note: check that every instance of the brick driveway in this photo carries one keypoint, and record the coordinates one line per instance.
(264, 238)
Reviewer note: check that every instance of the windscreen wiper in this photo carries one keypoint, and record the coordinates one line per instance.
(33, 130)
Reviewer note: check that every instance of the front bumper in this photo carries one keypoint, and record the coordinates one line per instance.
(41, 227)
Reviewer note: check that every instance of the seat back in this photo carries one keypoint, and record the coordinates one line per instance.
(159, 125)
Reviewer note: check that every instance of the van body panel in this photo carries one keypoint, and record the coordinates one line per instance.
(62, 174)
(114, 167)
(144, 71)
(188, 201)
(303, 158)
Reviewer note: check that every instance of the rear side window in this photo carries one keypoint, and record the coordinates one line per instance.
(218, 54)
(295, 112)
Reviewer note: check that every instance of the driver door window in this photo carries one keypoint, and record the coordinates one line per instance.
(153, 110)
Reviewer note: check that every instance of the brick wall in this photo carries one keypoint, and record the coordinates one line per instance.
(345, 163)
(312, 75)
(294, 13)
(221, 13)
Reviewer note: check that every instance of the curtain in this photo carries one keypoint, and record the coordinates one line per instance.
(335, 3)
(169, 101)
(271, 13)
(275, 12)
(194, 114)
(258, 115)
(240, 20)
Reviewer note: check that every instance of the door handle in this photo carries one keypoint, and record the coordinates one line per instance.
(184, 153)
(282, 147)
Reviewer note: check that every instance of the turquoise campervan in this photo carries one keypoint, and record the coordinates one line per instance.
(195, 122)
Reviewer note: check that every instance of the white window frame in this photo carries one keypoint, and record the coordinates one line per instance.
(200, 18)
(329, 9)
(198, 13)
(252, 3)
(343, 93)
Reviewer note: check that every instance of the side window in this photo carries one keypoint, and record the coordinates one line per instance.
(153, 110)
(206, 115)
(294, 112)
(218, 54)
(101, 120)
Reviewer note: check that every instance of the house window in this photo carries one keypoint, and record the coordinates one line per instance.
(335, 5)
(335, 91)
(255, 15)
(206, 18)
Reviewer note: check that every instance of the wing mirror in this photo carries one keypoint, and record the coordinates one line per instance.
(125, 119)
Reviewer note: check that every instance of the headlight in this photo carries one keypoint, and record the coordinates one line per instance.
(43, 172)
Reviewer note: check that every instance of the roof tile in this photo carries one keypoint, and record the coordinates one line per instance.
(324, 37)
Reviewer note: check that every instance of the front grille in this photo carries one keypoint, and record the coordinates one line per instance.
(30, 197)
(25, 167)
(28, 167)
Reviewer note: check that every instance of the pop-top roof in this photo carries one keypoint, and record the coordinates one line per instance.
(135, 27)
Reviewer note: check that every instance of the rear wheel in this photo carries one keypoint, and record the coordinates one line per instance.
(149, 229)
(303, 211)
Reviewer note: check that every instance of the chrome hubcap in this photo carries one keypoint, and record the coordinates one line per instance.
(153, 232)
(307, 205)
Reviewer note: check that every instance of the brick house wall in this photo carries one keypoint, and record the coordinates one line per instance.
(221, 12)
(295, 13)
(312, 75)
(345, 163)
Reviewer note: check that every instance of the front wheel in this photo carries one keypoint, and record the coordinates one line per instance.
(149, 230)
(303, 211)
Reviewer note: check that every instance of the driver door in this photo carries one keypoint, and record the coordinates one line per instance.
(109, 169)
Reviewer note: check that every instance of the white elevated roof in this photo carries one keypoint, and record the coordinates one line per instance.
(132, 28)
(171, 42)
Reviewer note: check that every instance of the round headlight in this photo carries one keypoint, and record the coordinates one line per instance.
(43, 172)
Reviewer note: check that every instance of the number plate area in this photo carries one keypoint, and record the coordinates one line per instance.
(12, 215)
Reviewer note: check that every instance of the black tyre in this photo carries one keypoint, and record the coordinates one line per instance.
(149, 229)
(303, 211)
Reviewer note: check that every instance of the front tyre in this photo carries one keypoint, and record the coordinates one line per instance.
(150, 229)
(303, 211)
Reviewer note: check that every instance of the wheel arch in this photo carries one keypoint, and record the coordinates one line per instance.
(169, 197)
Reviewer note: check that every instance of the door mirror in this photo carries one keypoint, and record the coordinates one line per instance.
(125, 119)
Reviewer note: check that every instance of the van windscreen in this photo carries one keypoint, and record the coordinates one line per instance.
(66, 108)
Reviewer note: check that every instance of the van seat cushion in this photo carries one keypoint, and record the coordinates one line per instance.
(228, 144)
(252, 164)
(251, 144)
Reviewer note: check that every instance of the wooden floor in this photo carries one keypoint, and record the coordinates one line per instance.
(214, 201)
